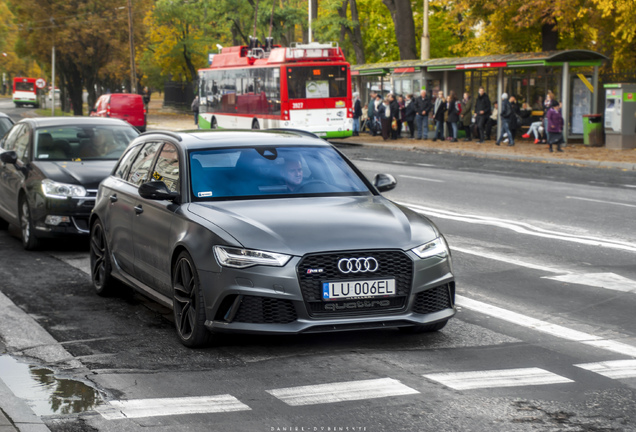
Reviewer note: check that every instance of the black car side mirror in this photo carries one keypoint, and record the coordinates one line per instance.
(9, 157)
(384, 182)
(157, 190)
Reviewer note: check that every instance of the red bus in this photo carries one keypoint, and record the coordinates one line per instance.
(25, 92)
(304, 87)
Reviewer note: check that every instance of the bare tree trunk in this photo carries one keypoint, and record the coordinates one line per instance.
(356, 37)
(402, 15)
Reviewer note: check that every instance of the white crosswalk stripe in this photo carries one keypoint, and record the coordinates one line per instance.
(617, 369)
(137, 408)
(497, 378)
(339, 392)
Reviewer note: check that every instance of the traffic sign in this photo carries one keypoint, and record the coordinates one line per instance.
(40, 83)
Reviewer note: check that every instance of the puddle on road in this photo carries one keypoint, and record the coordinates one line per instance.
(43, 392)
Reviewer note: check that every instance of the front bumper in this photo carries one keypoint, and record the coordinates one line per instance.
(77, 210)
(274, 300)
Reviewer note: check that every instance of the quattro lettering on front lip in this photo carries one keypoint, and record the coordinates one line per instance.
(359, 304)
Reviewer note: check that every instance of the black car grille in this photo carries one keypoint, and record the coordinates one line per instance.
(265, 310)
(435, 299)
(391, 264)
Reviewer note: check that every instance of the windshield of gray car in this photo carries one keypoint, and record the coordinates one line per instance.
(85, 142)
(5, 125)
(270, 171)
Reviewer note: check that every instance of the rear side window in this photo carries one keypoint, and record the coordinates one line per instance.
(140, 168)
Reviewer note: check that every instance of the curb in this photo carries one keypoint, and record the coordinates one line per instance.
(19, 415)
(626, 166)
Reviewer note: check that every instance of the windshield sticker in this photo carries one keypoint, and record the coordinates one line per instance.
(204, 194)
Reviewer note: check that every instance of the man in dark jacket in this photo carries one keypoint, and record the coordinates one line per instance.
(423, 107)
(506, 116)
(438, 115)
(482, 110)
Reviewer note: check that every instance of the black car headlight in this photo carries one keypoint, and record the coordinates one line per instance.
(242, 258)
(437, 247)
(53, 189)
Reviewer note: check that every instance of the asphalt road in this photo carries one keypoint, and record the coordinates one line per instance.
(545, 338)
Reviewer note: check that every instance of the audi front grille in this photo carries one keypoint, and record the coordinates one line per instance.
(315, 269)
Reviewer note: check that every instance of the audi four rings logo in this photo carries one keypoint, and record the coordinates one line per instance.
(358, 265)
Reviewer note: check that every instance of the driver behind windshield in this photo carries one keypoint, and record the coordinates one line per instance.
(293, 174)
(103, 144)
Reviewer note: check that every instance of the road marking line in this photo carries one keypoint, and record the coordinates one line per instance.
(521, 228)
(425, 165)
(508, 260)
(137, 408)
(610, 281)
(497, 378)
(422, 178)
(600, 201)
(339, 392)
(630, 186)
(616, 369)
(546, 327)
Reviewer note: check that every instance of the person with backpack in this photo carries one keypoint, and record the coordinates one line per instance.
(506, 115)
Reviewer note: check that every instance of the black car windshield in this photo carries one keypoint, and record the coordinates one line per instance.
(259, 172)
(82, 142)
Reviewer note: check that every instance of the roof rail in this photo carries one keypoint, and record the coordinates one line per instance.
(297, 131)
(163, 132)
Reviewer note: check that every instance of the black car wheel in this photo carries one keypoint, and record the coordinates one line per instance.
(427, 328)
(189, 310)
(29, 240)
(101, 269)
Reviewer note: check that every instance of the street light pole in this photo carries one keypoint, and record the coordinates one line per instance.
(53, 81)
(133, 72)
(426, 42)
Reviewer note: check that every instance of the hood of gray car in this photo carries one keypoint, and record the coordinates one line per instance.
(298, 226)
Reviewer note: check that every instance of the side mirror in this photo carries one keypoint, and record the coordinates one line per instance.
(9, 157)
(384, 182)
(157, 190)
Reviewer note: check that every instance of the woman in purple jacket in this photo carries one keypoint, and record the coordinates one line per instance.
(555, 125)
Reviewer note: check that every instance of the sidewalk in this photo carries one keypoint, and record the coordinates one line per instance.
(524, 150)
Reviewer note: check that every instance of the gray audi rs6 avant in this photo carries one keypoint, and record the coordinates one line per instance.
(269, 232)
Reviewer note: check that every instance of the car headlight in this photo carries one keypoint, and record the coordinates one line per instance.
(437, 247)
(52, 189)
(242, 258)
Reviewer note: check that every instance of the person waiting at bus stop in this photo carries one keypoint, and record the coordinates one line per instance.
(423, 107)
(195, 109)
(357, 113)
(506, 115)
(438, 114)
(482, 111)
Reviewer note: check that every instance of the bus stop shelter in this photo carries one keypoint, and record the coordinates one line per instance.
(572, 75)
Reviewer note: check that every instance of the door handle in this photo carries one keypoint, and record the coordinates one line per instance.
(113, 198)
(139, 209)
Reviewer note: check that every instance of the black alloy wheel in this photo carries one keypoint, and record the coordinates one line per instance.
(101, 269)
(29, 240)
(189, 310)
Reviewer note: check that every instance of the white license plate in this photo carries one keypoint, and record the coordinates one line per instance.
(358, 289)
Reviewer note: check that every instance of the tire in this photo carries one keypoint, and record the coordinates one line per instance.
(3, 224)
(101, 268)
(427, 328)
(255, 125)
(188, 306)
(29, 240)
